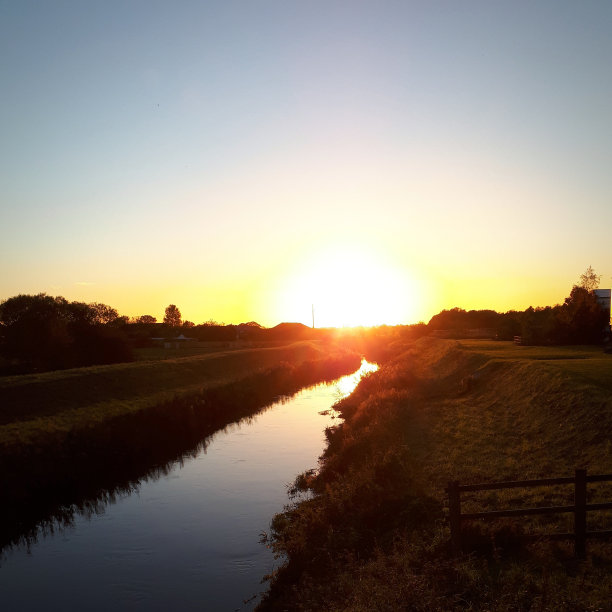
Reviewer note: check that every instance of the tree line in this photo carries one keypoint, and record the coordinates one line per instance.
(41, 332)
(579, 320)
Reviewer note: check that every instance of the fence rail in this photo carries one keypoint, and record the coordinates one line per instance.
(579, 508)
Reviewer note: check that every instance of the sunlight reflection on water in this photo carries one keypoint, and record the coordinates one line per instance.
(346, 385)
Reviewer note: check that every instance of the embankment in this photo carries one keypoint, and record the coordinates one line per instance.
(374, 534)
(70, 441)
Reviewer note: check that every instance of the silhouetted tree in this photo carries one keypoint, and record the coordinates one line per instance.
(579, 320)
(35, 330)
(509, 325)
(91, 314)
(208, 332)
(44, 332)
(146, 320)
(172, 316)
(459, 319)
(103, 314)
(541, 326)
(212, 323)
(583, 317)
(589, 280)
(101, 344)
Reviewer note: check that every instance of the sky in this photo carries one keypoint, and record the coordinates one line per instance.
(379, 161)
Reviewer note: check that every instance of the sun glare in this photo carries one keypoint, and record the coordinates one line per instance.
(349, 287)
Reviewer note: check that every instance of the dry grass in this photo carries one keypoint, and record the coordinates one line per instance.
(376, 528)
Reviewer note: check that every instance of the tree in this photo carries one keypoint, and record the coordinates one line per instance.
(583, 317)
(589, 280)
(212, 323)
(103, 314)
(89, 314)
(146, 319)
(120, 321)
(35, 330)
(44, 332)
(172, 316)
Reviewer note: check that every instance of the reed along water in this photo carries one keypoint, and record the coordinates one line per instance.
(189, 540)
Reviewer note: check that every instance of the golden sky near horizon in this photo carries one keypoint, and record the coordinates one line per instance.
(246, 161)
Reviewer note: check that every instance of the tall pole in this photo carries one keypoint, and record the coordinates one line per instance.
(312, 316)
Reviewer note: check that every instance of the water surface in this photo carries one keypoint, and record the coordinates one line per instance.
(190, 539)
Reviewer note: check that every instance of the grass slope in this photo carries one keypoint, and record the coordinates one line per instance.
(374, 535)
(35, 406)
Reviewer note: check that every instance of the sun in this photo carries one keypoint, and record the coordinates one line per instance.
(348, 286)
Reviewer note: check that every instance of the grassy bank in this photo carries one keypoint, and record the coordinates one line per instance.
(34, 406)
(71, 440)
(374, 535)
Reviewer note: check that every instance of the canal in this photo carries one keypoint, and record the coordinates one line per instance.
(188, 539)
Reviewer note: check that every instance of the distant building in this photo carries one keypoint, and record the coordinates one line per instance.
(175, 343)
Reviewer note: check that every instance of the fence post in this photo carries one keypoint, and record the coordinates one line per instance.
(454, 507)
(580, 500)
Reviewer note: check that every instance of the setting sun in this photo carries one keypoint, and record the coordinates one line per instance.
(348, 286)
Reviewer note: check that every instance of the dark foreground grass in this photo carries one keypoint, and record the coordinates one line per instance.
(374, 534)
(60, 467)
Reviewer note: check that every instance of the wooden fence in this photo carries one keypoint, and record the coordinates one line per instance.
(579, 508)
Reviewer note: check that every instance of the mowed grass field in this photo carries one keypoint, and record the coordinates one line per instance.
(588, 362)
(375, 536)
(529, 411)
(33, 406)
